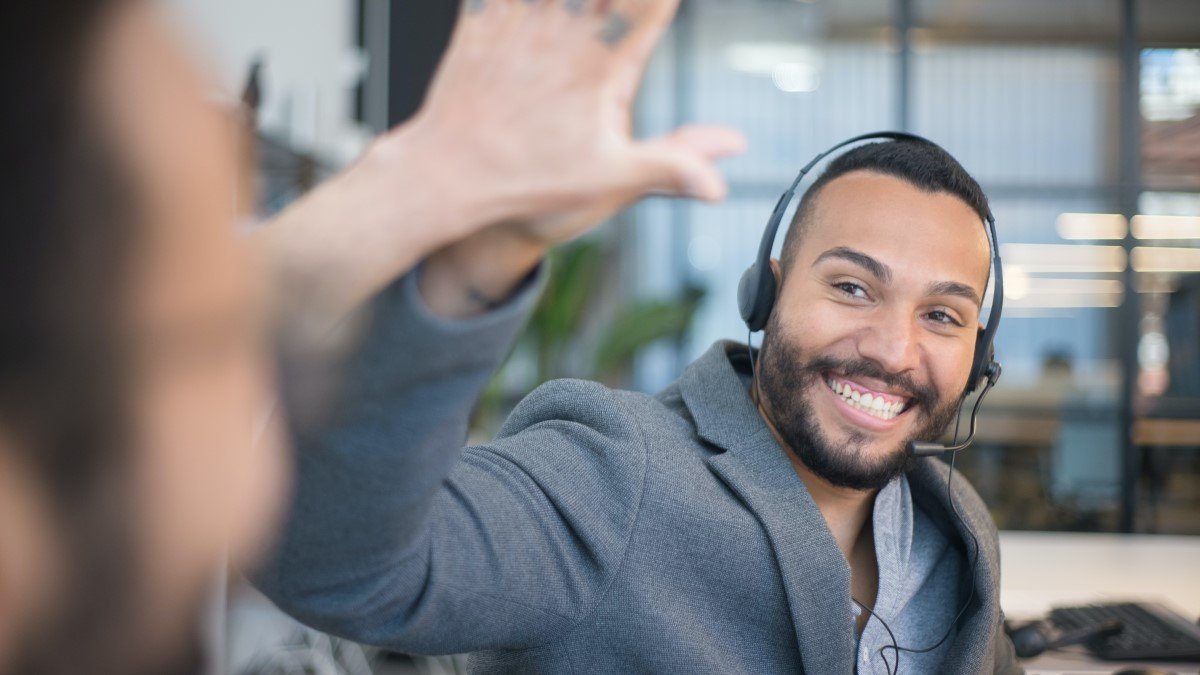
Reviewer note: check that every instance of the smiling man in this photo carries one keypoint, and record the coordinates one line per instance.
(737, 522)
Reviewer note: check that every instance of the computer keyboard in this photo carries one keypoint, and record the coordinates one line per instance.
(1149, 631)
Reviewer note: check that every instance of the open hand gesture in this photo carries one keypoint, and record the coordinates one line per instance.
(537, 94)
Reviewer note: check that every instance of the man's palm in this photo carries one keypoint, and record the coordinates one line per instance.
(542, 92)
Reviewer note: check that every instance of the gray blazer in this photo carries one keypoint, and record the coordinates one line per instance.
(601, 531)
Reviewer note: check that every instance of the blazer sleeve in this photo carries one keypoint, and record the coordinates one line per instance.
(398, 536)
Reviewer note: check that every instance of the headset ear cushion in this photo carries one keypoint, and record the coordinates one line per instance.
(745, 293)
(756, 296)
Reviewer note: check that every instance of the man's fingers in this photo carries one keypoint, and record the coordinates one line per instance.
(645, 14)
(683, 162)
(630, 28)
(640, 24)
(711, 141)
(578, 6)
(475, 7)
(481, 5)
(635, 26)
(478, 18)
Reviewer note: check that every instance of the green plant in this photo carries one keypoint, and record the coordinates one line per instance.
(559, 339)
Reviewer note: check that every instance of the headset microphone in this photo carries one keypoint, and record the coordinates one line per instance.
(929, 448)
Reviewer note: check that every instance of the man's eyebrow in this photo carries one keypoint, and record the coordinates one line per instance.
(877, 269)
(954, 288)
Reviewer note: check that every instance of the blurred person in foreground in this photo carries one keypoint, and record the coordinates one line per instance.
(137, 328)
(743, 520)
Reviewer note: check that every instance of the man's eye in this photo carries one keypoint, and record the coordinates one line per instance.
(941, 317)
(851, 289)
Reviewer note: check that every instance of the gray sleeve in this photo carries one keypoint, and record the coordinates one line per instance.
(398, 537)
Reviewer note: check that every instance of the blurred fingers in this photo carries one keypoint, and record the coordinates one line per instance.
(578, 6)
(683, 163)
(637, 25)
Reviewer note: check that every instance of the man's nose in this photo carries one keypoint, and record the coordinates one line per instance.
(891, 342)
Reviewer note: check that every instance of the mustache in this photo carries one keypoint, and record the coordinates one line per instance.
(924, 396)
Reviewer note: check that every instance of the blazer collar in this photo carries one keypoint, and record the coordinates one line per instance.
(816, 576)
(977, 629)
(718, 398)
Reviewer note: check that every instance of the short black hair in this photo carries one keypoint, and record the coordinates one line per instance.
(63, 246)
(921, 164)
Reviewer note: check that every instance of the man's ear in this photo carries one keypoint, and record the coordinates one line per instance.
(777, 270)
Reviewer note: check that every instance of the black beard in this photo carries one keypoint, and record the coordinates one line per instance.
(786, 380)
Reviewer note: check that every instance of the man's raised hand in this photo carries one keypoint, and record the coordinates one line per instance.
(524, 140)
(537, 96)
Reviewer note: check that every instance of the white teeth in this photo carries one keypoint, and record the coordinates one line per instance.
(874, 405)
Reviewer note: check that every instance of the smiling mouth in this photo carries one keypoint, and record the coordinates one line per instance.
(876, 404)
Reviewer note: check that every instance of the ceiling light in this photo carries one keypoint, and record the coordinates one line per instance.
(1091, 226)
(762, 58)
(1065, 258)
(1166, 227)
(1163, 259)
(795, 78)
(1066, 301)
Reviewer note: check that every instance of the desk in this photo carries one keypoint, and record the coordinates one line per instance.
(1040, 570)
(1041, 428)
(1166, 433)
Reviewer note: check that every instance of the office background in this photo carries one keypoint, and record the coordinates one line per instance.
(1081, 118)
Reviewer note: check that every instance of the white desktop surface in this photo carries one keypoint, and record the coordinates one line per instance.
(1041, 570)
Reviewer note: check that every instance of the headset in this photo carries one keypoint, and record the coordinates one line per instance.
(757, 290)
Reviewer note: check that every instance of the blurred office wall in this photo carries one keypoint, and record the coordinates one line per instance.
(312, 63)
(1027, 94)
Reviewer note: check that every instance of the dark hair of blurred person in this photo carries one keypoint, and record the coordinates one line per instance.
(130, 358)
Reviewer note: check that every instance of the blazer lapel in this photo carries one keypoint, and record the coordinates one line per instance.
(974, 647)
(816, 576)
